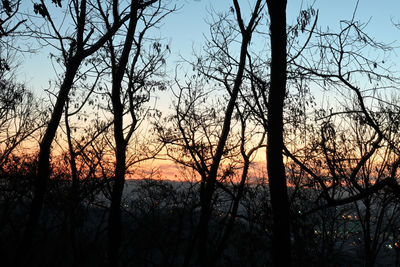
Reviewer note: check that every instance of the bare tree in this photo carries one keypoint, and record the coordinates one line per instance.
(281, 245)
(134, 72)
(340, 68)
(74, 46)
(201, 135)
(270, 101)
(356, 135)
(17, 116)
(9, 22)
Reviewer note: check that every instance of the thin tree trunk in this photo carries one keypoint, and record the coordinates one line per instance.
(74, 191)
(281, 245)
(207, 192)
(119, 67)
(207, 195)
(224, 240)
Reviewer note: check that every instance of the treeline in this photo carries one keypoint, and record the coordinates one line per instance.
(321, 103)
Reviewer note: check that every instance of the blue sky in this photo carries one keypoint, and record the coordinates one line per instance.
(185, 28)
(187, 25)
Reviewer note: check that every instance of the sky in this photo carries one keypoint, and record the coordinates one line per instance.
(185, 29)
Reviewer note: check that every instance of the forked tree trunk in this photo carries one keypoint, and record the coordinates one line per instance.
(77, 54)
(207, 194)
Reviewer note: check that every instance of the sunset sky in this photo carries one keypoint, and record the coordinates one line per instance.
(187, 28)
(199, 132)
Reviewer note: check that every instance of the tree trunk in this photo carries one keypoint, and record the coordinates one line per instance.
(119, 68)
(281, 245)
(73, 61)
(114, 220)
(43, 173)
(73, 201)
(207, 192)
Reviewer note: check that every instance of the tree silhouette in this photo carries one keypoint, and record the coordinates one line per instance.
(281, 245)
(201, 136)
(82, 43)
(139, 74)
(323, 104)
